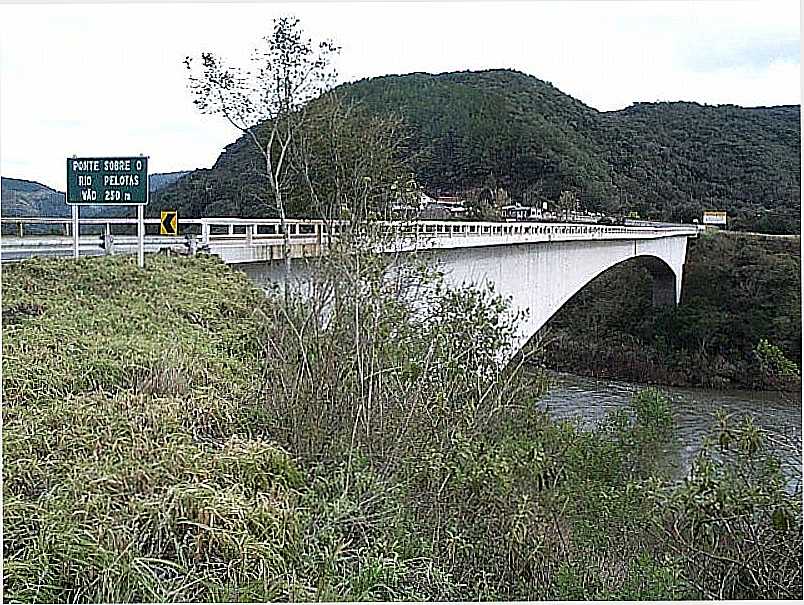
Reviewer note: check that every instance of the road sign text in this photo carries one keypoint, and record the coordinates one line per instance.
(109, 181)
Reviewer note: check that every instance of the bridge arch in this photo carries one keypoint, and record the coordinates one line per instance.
(665, 283)
(539, 267)
(540, 278)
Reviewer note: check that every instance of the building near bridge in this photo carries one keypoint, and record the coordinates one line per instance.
(444, 208)
(518, 212)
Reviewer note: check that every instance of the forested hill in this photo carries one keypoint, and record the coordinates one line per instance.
(678, 159)
(502, 128)
(494, 128)
(29, 198)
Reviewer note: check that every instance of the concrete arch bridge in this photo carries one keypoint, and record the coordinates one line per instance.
(539, 266)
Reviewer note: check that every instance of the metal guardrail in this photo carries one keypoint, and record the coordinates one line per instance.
(197, 234)
(222, 233)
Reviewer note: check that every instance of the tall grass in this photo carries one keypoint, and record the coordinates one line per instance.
(177, 434)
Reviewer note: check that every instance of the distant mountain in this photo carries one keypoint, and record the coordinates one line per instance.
(675, 160)
(30, 199)
(669, 161)
(502, 128)
(163, 179)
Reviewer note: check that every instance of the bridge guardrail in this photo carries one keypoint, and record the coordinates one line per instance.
(248, 233)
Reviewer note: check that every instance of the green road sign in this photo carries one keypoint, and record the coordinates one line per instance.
(107, 181)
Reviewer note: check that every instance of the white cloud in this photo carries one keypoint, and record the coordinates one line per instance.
(108, 79)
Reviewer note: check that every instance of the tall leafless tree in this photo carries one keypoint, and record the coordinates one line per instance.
(268, 101)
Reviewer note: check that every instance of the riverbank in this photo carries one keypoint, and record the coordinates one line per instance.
(175, 434)
(738, 324)
(589, 400)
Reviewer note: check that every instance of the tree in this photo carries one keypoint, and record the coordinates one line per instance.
(567, 201)
(268, 102)
(480, 203)
(351, 163)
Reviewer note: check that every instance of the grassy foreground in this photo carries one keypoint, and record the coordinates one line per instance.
(174, 434)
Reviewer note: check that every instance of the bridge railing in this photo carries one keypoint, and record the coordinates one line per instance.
(469, 228)
(222, 232)
(229, 227)
(53, 234)
(209, 227)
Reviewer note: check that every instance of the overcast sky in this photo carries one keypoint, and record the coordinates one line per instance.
(103, 79)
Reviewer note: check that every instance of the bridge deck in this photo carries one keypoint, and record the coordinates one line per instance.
(260, 240)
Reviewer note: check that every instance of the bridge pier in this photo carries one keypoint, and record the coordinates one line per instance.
(664, 290)
(666, 283)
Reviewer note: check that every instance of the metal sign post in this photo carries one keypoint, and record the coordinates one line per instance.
(75, 232)
(141, 235)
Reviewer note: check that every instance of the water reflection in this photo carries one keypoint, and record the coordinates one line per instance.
(588, 400)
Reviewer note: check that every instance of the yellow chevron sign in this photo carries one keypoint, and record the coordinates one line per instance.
(169, 225)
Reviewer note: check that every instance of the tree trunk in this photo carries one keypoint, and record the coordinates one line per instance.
(280, 205)
(285, 236)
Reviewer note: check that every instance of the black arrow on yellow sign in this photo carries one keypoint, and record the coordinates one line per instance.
(169, 223)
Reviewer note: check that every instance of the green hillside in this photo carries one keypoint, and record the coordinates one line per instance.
(163, 179)
(30, 199)
(675, 160)
(496, 128)
(502, 128)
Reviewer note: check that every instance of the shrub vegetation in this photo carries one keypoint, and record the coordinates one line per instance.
(738, 324)
(176, 434)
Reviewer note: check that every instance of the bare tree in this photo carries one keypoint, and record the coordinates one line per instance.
(268, 102)
(567, 201)
(351, 162)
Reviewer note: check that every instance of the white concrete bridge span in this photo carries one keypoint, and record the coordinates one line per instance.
(540, 278)
(539, 266)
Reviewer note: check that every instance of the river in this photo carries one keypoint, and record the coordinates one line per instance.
(588, 400)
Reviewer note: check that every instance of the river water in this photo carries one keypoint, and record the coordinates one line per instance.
(587, 400)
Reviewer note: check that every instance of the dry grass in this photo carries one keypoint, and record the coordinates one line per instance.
(175, 435)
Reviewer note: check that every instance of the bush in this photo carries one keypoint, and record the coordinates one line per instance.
(182, 436)
(773, 363)
(731, 524)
